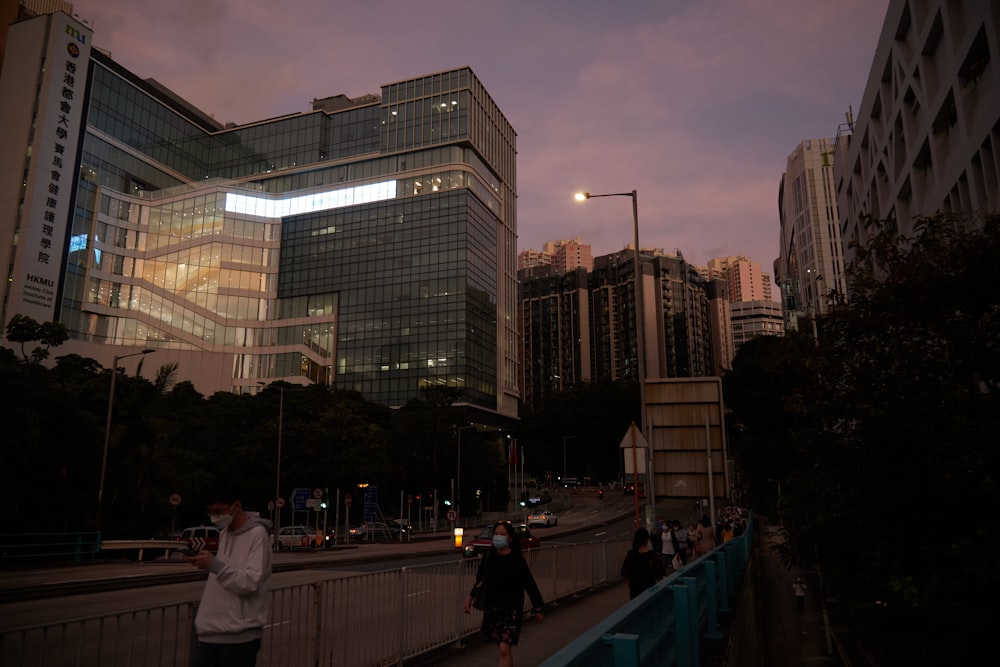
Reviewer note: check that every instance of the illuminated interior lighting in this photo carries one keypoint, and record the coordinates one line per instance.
(265, 207)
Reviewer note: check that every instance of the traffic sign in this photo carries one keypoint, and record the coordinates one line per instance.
(317, 493)
(347, 500)
(175, 499)
(280, 503)
(452, 515)
(299, 498)
(409, 500)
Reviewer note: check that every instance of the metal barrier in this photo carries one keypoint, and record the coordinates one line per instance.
(664, 625)
(378, 618)
(31, 547)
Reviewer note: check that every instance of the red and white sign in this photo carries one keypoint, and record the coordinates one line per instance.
(317, 493)
(452, 515)
(175, 499)
(280, 503)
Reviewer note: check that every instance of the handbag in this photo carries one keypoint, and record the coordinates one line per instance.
(676, 562)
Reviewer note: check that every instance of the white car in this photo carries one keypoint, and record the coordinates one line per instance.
(543, 518)
(295, 537)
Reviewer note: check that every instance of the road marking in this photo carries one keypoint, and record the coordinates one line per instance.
(274, 625)
(603, 532)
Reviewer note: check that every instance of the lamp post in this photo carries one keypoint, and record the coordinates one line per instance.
(277, 473)
(107, 426)
(565, 438)
(813, 298)
(458, 481)
(640, 331)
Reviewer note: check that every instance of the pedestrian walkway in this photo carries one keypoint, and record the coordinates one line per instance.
(791, 639)
(562, 624)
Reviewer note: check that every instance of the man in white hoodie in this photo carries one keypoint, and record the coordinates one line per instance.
(234, 606)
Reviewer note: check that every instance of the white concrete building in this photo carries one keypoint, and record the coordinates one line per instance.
(926, 135)
(810, 264)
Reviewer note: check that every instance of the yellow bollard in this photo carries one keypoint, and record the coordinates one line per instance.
(458, 538)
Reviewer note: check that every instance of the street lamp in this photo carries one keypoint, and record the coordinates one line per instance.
(640, 332)
(107, 426)
(565, 438)
(277, 474)
(458, 480)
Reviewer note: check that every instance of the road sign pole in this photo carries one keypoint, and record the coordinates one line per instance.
(336, 516)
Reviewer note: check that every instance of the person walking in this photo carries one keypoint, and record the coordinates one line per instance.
(799, 591)
(670, 545)
(505, 574)
(641, 567)
(235, 603)
(682, 541)
(704, 537)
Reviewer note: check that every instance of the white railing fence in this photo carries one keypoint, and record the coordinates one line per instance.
(378, 618)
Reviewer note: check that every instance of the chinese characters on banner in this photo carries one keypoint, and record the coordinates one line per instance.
(46, 216)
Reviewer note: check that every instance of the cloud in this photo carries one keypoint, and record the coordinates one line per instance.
(694, 103)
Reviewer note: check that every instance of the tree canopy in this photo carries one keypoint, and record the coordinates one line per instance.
(882, 435)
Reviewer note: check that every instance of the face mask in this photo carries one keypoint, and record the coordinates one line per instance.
(221, 521)
(500, 541)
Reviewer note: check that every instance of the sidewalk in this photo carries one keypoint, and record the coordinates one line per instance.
(791, 639)
(561, 625)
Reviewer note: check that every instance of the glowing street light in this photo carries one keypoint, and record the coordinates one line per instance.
(639, 325)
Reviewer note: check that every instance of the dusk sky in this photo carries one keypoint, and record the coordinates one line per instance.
(696, 104)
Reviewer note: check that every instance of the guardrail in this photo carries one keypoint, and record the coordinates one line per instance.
(664, 625)
(378, 618)
(142, 545)
(31, 547)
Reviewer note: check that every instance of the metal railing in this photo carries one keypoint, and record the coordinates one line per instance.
(664, 625)
(378, 618)
(31, 547)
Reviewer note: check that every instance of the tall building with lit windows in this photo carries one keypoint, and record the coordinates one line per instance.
(368, 243)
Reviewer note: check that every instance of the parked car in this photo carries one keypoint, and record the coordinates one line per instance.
(543, 518)
(482, 542)
(201, 537)
(374, 530)
(295, 537)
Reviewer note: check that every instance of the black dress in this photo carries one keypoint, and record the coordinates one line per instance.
(642, 570)
(506, 578)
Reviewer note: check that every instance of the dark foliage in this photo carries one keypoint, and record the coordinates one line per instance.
(883, 437)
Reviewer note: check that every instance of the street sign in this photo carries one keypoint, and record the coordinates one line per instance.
(280, 503)
(175, 499)
(452, 515)
(409, 500)
(299, 498)
(317, 494)
(347, 500)
(313, 502)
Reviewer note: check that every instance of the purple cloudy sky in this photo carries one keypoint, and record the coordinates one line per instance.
(694, 103)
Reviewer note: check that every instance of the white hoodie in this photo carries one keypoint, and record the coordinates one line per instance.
(234, 606)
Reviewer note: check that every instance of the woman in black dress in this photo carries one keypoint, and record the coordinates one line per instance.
(505, 574)
(642, 568)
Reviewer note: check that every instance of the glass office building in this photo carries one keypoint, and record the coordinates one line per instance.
(368, 243)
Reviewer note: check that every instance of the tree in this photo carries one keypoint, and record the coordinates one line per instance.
(890, 442)
(22, 329)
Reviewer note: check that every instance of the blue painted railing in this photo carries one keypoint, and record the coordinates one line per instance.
(665, 624)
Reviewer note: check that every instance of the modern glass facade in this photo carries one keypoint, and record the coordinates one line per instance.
(371, 247)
